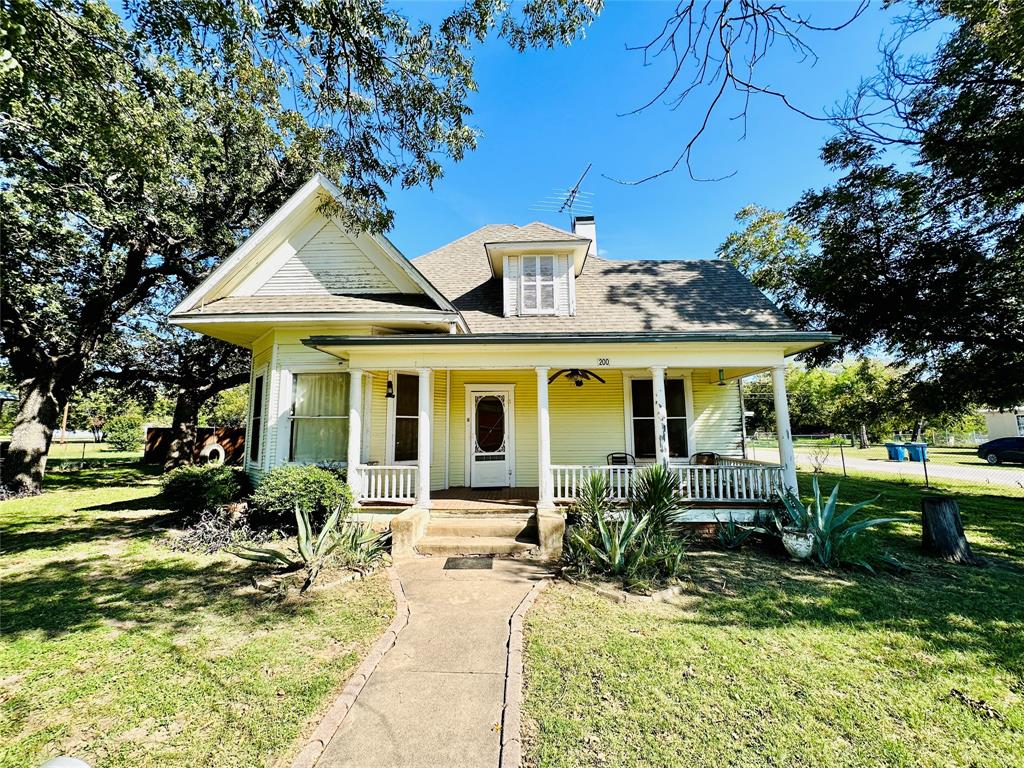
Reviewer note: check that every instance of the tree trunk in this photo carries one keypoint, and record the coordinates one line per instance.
(942, 531)
(918, 429)
(183, 430)
(864, 436)
(25, 462)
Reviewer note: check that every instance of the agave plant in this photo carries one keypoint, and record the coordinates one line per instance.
(618, 544)
(731, 535)
(311, 551)
(834, 534)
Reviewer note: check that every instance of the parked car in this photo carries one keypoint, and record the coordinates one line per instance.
(1003, 449)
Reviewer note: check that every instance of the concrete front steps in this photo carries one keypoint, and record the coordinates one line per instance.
(478, 532)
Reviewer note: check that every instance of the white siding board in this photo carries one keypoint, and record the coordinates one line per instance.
(330, 262)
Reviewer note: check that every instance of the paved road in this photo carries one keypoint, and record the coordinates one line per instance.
(997, 476)
(435, 699)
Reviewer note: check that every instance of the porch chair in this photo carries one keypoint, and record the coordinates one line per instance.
(705, 458)
(620, 459)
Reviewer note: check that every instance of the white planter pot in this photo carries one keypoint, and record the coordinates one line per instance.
(799, 544)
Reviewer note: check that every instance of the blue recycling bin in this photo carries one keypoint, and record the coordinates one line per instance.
(896, 452)
(917, 451)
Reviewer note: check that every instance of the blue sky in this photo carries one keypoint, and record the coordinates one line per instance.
(545, 115)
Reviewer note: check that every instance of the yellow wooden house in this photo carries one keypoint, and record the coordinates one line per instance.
(495, 373)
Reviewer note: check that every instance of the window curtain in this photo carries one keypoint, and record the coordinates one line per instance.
(320, 417)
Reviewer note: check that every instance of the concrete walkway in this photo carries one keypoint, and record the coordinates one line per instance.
(435, 700)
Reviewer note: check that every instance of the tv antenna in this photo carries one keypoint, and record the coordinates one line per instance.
(574, 200)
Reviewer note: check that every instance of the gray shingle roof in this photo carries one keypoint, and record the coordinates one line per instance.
(380, 302)
(611, 296)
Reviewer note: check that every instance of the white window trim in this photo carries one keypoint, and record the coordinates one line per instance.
(627, 403)
(256, 373)
(284, 398)
(1020, 424)
(390, 432)
(539, 281)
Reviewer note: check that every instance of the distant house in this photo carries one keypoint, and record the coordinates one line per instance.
(1008, 422)
(510, 363)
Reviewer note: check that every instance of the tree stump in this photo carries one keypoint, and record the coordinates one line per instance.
(943, 531)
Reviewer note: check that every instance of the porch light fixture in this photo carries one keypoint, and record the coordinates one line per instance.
(721, 377)
(576, 375)
(390, 393)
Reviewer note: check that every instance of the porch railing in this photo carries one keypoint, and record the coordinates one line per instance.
(729, 480)
(384, 482)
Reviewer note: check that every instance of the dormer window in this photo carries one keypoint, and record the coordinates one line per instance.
(537, 285)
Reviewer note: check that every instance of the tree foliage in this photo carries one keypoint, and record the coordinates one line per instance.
(133, 157)
(924, 264)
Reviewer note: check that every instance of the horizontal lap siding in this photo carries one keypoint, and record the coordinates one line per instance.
(437, 456)
(329, 263)
(588, 422)
(378, 416)
(716, 416)
(525, 382)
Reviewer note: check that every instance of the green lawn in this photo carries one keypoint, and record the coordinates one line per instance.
(960, 457)
(124, 653)
(768, 663)
(92, 453)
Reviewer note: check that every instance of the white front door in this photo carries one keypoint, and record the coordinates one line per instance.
(489, 423)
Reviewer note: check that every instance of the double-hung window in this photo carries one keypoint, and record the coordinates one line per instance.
(642, 418)
(256, 420)
(537, 285)
(1020, 425)
(319, 417)
(407, 409)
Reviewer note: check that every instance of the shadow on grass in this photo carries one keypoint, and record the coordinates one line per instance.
(951, 608)
(63, 596)
(25, 537)
(107, 474)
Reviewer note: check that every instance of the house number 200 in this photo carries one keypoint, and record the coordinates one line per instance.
(603, 361)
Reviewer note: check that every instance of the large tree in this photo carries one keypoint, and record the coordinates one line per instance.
(925, 262)
(135, 156)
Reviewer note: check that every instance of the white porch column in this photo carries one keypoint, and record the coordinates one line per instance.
(546, 487)
(660, 415)
(786, 456)
(423, 439)
(355, 431)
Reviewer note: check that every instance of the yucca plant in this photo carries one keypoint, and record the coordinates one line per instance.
(618, 544)
(593, 501)
(656, 495)
(834, 534)
(310, 553)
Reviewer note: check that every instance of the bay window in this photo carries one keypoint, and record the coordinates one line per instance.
(319, 417)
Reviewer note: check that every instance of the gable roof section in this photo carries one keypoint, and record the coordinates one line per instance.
(313, 262)
(611, 296)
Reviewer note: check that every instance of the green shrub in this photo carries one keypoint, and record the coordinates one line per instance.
(124, 433)
(317, 492)
(194, 489)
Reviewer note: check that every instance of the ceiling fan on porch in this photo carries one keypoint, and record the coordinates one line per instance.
(576, 375)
